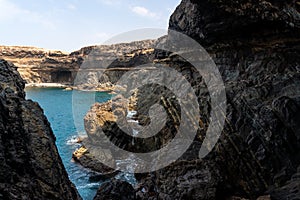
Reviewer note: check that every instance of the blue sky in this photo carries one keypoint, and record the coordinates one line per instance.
(71, 24)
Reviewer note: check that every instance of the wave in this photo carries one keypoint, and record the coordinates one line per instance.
(89, 185)
(75, 139)
(131, 113)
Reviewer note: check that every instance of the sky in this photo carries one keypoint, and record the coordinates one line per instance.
(69, 25)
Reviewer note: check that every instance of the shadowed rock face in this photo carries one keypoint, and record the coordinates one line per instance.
(116, 189)
(214, 21)
(30, 166)
(256, 47)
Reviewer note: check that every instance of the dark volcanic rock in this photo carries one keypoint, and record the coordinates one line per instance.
(212, 21)
(30, 166)
(182, 180)
(256, 47)
(290, 190)
(115, 190)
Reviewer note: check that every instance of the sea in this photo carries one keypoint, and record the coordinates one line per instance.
(65, 111)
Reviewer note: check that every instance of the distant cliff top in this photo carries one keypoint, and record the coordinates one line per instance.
(38, 65)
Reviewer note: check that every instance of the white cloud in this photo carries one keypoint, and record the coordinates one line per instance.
(11, 11)
(142, 11)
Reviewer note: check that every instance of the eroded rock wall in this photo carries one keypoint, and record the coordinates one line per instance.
(30, 166)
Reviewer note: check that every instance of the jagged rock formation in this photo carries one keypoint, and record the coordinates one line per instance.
(30, 166)
(37, 65)
(256, 47)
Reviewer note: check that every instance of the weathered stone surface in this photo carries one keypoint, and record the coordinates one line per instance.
(115, 190)
(30, 166)
(291, 190)
(183, 180)
(92, 156)
(214, 21)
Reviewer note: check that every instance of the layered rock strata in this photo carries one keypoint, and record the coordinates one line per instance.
(37, 65)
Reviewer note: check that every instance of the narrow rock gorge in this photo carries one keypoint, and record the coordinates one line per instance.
(30, 166)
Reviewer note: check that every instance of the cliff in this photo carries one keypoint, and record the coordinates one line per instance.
(30, 166)
(256, 47)
(37, 65)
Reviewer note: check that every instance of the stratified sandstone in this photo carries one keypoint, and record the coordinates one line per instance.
(37, 65)
(30, 166)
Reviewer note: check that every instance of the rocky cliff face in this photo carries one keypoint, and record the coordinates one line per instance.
(256, 47)
(30, 166)
(37, 65)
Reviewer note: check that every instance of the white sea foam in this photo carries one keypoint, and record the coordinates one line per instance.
(89, 185)
(72, 140)
(131, 113)
(75, 139)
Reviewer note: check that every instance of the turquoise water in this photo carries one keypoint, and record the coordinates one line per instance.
(58, 106)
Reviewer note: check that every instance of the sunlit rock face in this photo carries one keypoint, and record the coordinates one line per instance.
(37, 65)
(30, 166)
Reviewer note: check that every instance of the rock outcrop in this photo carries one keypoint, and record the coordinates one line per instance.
(256, 47)
(30, 166)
